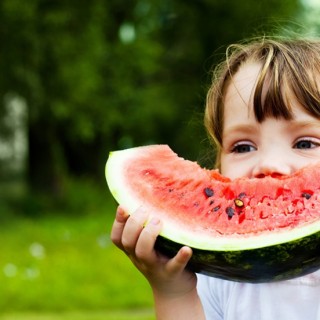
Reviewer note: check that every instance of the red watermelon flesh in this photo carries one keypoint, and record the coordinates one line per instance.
(207, 211)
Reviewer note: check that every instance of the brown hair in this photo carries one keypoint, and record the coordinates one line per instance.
(293, 64)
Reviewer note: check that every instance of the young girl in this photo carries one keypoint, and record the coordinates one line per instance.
(263, 113)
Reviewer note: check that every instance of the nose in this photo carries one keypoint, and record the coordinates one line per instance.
(272, 166)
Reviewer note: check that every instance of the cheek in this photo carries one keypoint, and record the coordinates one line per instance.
(304, 161)
(232, 173)
(235, 169)
(227, 168)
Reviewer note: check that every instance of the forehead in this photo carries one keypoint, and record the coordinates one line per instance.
(240, 90)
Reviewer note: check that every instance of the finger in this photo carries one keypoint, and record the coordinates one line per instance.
(118, 226)
(145, 245)
(179, 261)
(132, 230)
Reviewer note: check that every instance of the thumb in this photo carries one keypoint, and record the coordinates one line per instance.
(179, 261)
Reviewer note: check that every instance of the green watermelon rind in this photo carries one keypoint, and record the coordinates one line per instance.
(196, 240)
(274, 263)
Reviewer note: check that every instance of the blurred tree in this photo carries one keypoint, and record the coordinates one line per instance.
(107, 74)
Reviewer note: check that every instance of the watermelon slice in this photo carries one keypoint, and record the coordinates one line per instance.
(254, 230)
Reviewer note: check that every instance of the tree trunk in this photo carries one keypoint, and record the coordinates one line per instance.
(45, 169)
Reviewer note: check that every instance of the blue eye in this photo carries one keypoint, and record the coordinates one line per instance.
(306, 144)
(243, 148)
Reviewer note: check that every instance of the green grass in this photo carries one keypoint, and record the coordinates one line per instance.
(93, 315)
(65, 267)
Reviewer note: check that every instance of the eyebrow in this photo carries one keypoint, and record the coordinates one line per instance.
(302, 124)
(243, 128)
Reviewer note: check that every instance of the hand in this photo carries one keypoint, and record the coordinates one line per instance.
(136, 235)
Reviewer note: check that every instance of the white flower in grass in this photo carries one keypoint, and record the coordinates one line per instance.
(10, 270)
(32, 273)
(37, 250)
(103, 241)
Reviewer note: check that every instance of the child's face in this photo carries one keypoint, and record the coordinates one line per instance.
(273, 147)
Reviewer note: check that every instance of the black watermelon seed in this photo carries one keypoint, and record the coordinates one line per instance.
(216, 208)
(306, 195)
(211, 202)
(241, 195)
(208, 192)
(230, 212)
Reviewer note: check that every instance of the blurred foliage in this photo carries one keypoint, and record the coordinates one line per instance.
(108, 74)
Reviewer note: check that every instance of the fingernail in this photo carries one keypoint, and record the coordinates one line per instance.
(155, 221)
(121, 212)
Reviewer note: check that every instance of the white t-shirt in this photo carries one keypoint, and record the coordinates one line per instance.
(296, 299)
